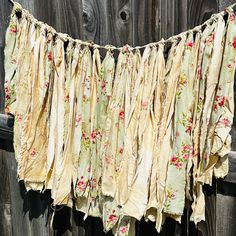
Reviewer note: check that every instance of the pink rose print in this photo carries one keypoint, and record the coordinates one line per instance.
(176, 162)
(188, 127)
(234, 42)
(46, 84)
(211, 38)
(81, 184)
(77, 120)
(103, 86)
(225, 122)
(191, 151)
(110, 178)
(214, 107)
(180, 158)
(174, 159)
(199, 72)
(18, 117)
(219, 101)
(85, 140)
(108, 159)
(190, 44)
(93, 136)
(50, 56)
(126, 48)
(123, 230)
(222, 102)
(185, 148)
(186, 121)
(182, 81)
(171, 195)
(13, 28)
(84, 136)
(7, 95)
(232, 17)
(144, 105)
(179, 165)
(112, 218)
(122, 115)
(13, 60)
(33, 152)
(185, 156)
(96, 134)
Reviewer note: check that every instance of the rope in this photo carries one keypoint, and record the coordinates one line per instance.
(65, 37)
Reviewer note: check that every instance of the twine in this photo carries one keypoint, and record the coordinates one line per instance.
(65, 37)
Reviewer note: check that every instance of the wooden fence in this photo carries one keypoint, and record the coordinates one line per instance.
(116, 22)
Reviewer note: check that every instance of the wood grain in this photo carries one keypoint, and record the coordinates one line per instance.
(208, 227)
(117, 22)
(224, 3)
(5, 199)
(144, 15)
(225, 215)
(200, 10)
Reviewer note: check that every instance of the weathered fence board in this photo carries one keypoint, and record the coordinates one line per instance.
(117, 22)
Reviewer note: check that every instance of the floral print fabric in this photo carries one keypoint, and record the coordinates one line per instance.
(124, 139)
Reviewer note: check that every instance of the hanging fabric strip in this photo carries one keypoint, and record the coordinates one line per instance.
(126, 138)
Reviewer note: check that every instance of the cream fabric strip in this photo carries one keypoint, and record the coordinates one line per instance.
(124, 139)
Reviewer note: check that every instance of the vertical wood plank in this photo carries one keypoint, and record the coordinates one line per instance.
(171, 17)
(208, 227)
(91, 20)
(67, 16)
(182, 8)
(64, 15)
(143, 22)
(107, 22)
(120, 22)
(5, 198)
(200, 10)
(226, 215)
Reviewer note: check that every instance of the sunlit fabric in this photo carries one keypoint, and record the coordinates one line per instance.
(127, 137)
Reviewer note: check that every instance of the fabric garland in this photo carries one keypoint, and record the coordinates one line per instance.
(121, 140)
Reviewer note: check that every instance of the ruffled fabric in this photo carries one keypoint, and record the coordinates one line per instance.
(121, 138)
